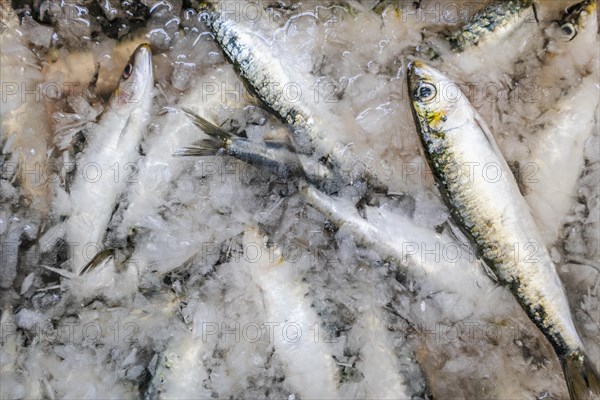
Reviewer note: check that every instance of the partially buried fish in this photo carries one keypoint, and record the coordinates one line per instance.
(493, 23)
(275, 156)
(485, 202)
(109, 159)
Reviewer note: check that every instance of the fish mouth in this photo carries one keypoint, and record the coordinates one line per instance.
(143, 58)
(415, 74)
(414, 67)
(137, 80)
(418, 70)
(413, 77)
(142, 61)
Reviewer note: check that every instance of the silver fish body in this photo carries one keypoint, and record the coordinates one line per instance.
(490, 209)
(106, 165)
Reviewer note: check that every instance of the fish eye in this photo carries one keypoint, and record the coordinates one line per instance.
(425, 92)
(568, 31)
(127, 71)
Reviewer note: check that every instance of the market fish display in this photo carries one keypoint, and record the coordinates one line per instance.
(265, 76)
(451, 333)
(109, 159)
(492, 212)
(395, 238)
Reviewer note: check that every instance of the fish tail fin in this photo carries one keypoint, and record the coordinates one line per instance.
(208, 127)
(200, 148)
(219, 138)
(581, 375)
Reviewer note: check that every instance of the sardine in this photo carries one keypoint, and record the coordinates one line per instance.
(493, 214)
(264, 74)
(106, 164)
(396, 238)
(283, 296)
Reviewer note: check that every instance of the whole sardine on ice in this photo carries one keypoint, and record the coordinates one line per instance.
(108, 163)
(485, 201)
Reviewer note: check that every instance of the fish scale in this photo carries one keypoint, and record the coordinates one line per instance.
(263, 80)
(493, 18)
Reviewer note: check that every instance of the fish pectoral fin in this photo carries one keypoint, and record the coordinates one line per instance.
(125, 128)
(207, 127)
(99, 259)
(457, 234)
(488, 270)
(487, 134)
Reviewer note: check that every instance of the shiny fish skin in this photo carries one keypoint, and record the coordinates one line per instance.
(494, 215)
(113, 143)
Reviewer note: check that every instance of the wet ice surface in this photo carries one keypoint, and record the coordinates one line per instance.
(235, 286)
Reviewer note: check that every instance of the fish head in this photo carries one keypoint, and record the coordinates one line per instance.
(574, 20)
(437, 103)
(136, 81)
